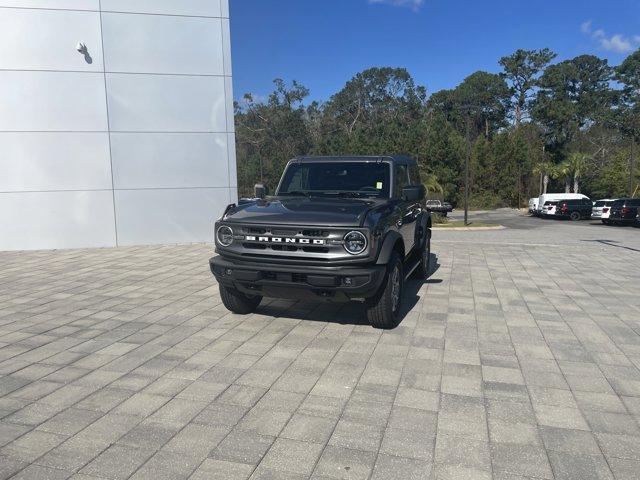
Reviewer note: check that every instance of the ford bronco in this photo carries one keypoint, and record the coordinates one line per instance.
(337, 228)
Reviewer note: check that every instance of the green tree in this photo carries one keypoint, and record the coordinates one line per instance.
(628, 74)
(431, 183)
(544, 169)
(572, 94)
(479, 103)
(378, 110)
(522, 70)
(269, 134)
(562, 172)
(577, 164)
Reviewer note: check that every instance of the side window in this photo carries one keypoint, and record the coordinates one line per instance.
(296, 180)
(414, 175)
(400, 180)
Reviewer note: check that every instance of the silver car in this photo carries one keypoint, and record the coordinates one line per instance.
(598, 205)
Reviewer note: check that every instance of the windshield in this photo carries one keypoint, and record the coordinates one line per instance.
(366, 179)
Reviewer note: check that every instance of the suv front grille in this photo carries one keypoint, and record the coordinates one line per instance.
(282, 242)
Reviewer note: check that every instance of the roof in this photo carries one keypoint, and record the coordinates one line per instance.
(400, 159)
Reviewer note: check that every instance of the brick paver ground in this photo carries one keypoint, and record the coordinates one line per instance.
(513, 362)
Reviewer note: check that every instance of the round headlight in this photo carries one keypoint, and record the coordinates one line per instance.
(224, 235)
(355, 242)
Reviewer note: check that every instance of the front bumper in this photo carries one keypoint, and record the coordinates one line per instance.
(334, 283)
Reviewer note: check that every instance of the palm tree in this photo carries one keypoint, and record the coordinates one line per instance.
(562, 170)
(543, 169)
(577, 164)
(430, 182)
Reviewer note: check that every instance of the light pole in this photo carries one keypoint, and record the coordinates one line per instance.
(632, 164)
(467, 160)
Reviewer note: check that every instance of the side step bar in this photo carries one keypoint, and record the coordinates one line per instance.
(412, 268)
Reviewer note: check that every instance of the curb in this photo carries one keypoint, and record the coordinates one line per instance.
(498, 227)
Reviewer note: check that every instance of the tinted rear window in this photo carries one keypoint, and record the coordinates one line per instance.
(600, 204)
(634, 202)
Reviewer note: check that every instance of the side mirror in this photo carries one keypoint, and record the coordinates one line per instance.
(413, 193)
(260, 190)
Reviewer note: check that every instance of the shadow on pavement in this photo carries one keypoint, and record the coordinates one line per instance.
(612, 243)
(352, 313)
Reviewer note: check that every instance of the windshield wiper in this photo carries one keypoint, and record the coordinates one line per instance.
(351, 193)
(299, 193)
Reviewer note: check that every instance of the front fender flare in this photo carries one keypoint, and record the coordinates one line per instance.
(388, 244)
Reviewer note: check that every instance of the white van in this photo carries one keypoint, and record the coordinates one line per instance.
(557, 196)
(533, 205)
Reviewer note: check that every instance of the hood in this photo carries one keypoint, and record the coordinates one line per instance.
(320, 211)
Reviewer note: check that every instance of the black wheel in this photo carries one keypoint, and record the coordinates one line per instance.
(575, 216)
(383, 310)
(425, 261)
(237, 301)
(606, 222)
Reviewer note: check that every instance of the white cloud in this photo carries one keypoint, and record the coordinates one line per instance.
(617, 43)
(412, 4)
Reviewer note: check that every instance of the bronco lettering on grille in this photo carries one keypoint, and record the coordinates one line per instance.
(304, 241)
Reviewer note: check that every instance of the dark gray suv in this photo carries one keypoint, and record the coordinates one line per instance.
(337, 229)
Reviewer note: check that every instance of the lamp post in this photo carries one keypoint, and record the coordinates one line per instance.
(466, 173)
(632, 164)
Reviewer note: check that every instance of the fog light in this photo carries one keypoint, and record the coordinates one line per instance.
(347, 281)
(228, 271)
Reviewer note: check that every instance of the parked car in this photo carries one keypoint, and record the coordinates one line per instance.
(533, 205)
(599, 206)
(548, 209)
(337, 229)
(624, 211)
(437, 206)
(575, 209)
(637, 224)
(558, 196)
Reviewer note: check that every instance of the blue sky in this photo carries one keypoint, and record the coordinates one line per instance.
(323, 43)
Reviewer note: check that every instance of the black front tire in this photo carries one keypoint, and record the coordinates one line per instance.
(238, 302)
(383, 310)
(575, 216)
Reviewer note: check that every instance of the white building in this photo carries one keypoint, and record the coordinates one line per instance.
(127, 142)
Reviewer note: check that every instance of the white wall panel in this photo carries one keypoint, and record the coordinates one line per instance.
(166, 103)
(54, 161)
(169, 160)
(168, 137)
(53, 4)
(52, 101)
(162, 44)
(226, 46)
(56, 220)
(168, 216)
(228, 87)
(47, 39)
(205, 8)
(233, 171)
